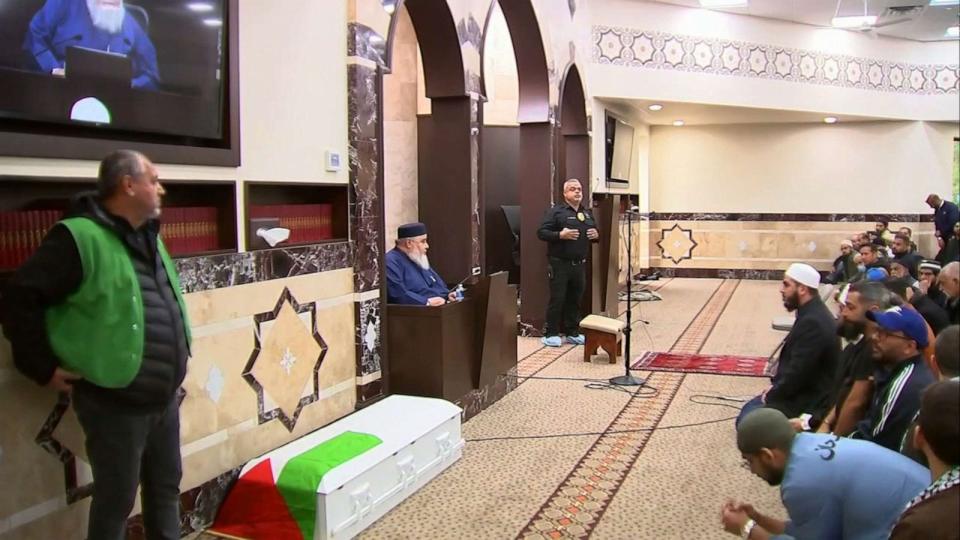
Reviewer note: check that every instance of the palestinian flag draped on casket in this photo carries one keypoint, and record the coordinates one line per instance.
(276, 499)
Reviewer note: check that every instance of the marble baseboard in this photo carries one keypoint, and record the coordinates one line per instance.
(370, 393)
(721, 273)
(480, 399)
(831, 218)
(198, 506)
(232, 269)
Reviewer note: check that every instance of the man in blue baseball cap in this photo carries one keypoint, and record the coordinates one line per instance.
(900, 378)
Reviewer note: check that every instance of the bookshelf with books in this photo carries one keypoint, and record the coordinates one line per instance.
(198, 218)
(313, 213)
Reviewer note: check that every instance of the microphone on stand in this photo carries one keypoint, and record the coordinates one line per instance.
(627, 379)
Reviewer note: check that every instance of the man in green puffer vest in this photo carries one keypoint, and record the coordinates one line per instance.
(97, 313)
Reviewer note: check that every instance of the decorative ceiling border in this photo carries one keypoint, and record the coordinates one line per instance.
(660, 50)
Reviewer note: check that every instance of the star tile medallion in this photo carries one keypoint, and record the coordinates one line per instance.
(286, 358)
(676, 243)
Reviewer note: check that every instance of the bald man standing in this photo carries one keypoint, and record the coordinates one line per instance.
(568, 229)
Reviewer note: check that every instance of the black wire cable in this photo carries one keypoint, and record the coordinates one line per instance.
(600, 384)
(643, 392)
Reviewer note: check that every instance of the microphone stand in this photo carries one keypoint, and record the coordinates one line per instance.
(627, 379)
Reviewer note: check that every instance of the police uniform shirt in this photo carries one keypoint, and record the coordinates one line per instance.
(564, 216)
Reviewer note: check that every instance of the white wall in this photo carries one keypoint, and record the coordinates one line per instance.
(868, 167)
(499, 73)
(400, 162)
(678, 85)
(290, 111)
(639, 167)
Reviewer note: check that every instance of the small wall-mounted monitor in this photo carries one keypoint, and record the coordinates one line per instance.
(619, 150)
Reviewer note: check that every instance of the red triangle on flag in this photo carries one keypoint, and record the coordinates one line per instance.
(255, 510)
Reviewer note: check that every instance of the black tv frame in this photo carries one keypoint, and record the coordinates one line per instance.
(226, 152)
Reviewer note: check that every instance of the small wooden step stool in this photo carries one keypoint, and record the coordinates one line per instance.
(602, 333)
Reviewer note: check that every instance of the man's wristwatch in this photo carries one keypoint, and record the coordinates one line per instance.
(747, 529)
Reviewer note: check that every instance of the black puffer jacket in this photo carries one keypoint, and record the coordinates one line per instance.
(55, 271)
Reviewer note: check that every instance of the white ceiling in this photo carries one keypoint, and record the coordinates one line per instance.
(702, 114)
(930, 23)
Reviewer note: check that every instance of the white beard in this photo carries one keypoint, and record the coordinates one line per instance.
(108, 19)
(421, 260)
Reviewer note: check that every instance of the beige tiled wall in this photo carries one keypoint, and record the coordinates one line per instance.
(219, 420)
(765, 245)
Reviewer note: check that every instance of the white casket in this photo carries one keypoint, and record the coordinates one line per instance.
(421, 437)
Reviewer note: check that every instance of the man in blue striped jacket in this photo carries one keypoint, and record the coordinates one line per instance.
(900, 378)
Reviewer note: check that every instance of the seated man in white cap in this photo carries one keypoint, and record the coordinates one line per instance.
(808, 359)
(410, 280)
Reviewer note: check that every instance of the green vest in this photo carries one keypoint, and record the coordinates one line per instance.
(97, 332)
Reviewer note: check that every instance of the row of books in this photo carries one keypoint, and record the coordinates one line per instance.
(21, 233)
(184, 229)
(306, 222)
(190, 229)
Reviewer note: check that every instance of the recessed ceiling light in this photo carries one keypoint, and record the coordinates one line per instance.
(953, 31)
(830, 119)
(856, 21)
(655, 107)
(938, 3)
(213, 22)
(678, 123)
(200, 7)
(723, 3)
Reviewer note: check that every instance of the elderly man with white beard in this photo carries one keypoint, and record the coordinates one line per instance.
(410, 280)
(95, 24)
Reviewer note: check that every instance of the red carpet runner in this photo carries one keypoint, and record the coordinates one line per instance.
(751, 366)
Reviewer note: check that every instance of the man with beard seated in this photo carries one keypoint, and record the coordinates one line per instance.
(928, 272)
(935, 316)
(831, 487)
(901, 376)
(410, 280)
(853, 384)
(808, 358)
(933, 513)
(104, 25)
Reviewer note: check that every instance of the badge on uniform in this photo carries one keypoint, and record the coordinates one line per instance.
(581, 217)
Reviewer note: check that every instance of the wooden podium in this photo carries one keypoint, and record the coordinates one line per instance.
(449, 350)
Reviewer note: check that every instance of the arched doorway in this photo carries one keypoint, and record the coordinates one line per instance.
(534, 173)
(573, 148)
(445, 191)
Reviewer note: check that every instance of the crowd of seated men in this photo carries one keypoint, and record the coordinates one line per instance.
(860, 427)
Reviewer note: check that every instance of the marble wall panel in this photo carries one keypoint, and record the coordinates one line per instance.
(768, 244)
(232, 269)
(210, 307)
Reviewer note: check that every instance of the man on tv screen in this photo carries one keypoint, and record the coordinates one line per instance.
(95, 24)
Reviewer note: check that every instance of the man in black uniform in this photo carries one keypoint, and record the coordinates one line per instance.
(568, 228)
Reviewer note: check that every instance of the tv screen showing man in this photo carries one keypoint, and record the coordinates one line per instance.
(105, 25)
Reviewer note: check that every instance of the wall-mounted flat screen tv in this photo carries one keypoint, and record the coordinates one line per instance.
(145, 70)
(619, 150)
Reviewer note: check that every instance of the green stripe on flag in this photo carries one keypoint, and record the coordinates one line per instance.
(301, 475)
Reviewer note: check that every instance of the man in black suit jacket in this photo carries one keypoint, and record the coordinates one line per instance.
(945, 216)
(808, 359)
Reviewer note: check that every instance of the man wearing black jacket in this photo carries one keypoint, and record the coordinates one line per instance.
(568, 229)
(808, 359)
(900, 378)
(97, 312)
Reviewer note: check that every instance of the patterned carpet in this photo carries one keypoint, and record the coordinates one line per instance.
(557, 458)
(750, 366)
